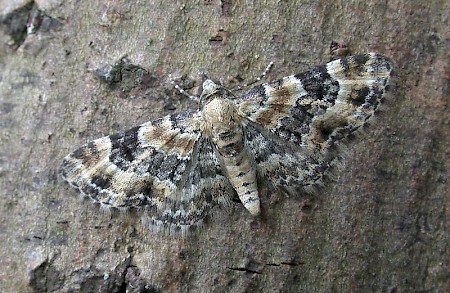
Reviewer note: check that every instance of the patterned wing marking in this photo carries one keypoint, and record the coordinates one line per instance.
(286, 166)
(322, 105)
(362, 82)
(201, 189)
(164, 167)
(136, 167)
(311, 112)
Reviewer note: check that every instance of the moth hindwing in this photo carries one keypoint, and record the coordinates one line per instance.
(178, 168)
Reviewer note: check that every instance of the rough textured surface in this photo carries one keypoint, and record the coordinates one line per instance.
(382, 226)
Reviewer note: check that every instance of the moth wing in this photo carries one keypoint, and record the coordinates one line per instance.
(203, 188)
(152, 166)
(312, 111)
(314, 107)
(287, 166)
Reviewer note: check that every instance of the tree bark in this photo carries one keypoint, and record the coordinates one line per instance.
(86, 69)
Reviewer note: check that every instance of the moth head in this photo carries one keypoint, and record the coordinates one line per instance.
(210, 89)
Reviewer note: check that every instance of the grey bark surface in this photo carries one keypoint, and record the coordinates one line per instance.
(380, 226)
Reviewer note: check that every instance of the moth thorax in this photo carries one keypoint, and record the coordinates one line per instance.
(220, 113)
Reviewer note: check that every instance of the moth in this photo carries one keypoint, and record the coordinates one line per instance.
(178, 168)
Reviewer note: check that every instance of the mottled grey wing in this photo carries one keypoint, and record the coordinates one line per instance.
(154, 167)
(285, 165)
(202, 187)
(294, 124)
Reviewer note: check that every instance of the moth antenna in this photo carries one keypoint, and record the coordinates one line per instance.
(263, 74)
(182, 91)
